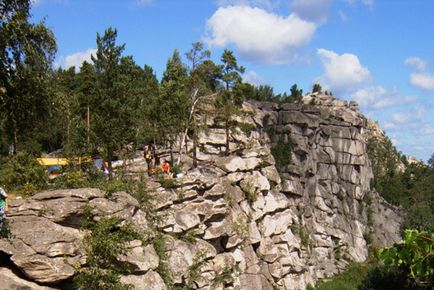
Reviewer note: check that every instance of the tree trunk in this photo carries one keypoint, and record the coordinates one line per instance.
(195, 148)
(227, 136)
(15, 141)
(88, 124)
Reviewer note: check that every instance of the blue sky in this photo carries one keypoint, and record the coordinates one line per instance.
(377, 52)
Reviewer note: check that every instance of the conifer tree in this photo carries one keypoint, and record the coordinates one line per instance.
(112, 120)
(174, 100)
(231, 98)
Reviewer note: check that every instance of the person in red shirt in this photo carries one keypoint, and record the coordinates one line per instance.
(165, 167)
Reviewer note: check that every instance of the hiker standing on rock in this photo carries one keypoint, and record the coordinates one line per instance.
(3, 203)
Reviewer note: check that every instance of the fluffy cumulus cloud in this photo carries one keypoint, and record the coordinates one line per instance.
(77, 58)
(342, 73)
(422, 80)
(377, 97)
(416, 63)
(313, 10)
(420, 77)
(258, 35)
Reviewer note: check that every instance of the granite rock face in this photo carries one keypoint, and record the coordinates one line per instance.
(237, 221)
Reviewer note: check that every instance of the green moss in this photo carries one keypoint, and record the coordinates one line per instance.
(282, 153)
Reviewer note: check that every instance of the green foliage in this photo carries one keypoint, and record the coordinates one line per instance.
(163, 267)
(282, 153)
(384, 160)
(224, 277)
(340, 195)
(26, 53)
(5, 230)
(105, 242)
(194, 270)
(232, 97)
(386, 278)
(167, 182)
(351, 279)
(304, 237)
(415, 256)
(246, 127)
(22, 174)
(296, 94)
(316, 88)
(250, 192)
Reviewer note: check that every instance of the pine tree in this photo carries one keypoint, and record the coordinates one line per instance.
(112, 118)
(231, 98)
(174, 100)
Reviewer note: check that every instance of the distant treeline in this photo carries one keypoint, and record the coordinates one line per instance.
(103, 106)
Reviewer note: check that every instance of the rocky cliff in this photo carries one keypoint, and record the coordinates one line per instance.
(251, 224)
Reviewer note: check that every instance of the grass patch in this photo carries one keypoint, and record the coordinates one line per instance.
(351, 279)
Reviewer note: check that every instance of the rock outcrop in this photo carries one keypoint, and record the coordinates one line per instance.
(237, 221)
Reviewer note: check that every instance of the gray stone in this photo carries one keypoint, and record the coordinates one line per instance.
(150, 280)
(9, 281)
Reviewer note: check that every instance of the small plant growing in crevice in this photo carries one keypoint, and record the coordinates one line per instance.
(304, 237)
(163, 267)
(250, 192)
(282, 153)
(340, 195)
(5, 230)
(241, 228)
(194, 270)
(223, 278)
(104, 242)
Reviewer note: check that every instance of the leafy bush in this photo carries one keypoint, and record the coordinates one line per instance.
(163, 267)
(414, 256)
(71, 179)
(282, 153)
(105, 242)
(22, 174)
(385, 278)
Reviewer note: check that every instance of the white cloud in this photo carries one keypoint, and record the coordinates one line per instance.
(426, 129)
(266, 4)
(369, 3)
(143, 2)
(377, 98)
(410, 119)
(76, 59)
(312, 10)
(422, 80)
(416, 62)
(253, 78)
(343, 16)
(343, 73)
(35, 2)
(258, 35)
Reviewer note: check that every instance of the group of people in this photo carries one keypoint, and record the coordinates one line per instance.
(153, 161)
